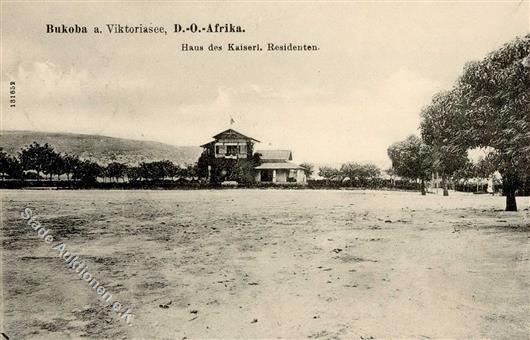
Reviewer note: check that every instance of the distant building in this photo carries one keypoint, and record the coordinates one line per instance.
(276, 168)
(230, 144)
(275, 165)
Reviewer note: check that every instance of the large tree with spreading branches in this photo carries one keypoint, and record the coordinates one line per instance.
(489, 107)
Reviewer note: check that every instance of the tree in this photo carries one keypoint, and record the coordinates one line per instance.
(9, 166)
(496, 104)
(88, 171)
(308, 169)
(116, 170)
(352, 170)
(70, 164)
(150, 171)
(466, 172)
(217, 170)
(371, 171)
(242, 172)
(330, 173)
(391, 173)
(168, 169)
(190, 171)
(158, 170)
(437, 132)
(173, 170)
(490, 108)
(412, 159)
(133, 173)
(361, 174)
(204, 164)
(40, 158)
(485, 167)
(56, 166)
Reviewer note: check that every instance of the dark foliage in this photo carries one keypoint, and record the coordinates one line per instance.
(35, 160)
(216, 170)
(489, 107)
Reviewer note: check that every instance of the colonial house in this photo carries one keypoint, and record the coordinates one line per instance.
(275, 166)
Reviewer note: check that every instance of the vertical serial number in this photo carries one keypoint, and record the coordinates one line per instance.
(12, 94)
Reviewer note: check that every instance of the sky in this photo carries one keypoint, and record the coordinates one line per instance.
(377, 65)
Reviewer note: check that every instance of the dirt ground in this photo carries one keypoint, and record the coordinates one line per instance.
(268, 264)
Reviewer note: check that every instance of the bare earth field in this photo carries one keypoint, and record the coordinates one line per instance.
(268, 264)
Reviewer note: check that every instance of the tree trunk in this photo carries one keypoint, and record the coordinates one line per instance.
(444, 185)
(511, 203)
(509, 187)
(423, 191)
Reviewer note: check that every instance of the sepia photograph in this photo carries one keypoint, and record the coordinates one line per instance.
(245, 169)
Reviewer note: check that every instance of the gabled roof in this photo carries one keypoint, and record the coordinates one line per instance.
(276, 166)
(277, 155)
(232, 134)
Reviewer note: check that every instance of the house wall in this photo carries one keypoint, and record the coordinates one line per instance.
(301, 177)
(281, 176)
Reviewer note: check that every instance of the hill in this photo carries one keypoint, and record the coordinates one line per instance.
(102, 149)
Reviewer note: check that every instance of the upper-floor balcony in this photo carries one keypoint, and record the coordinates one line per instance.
(231, 150)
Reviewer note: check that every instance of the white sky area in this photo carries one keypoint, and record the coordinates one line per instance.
(378, 65)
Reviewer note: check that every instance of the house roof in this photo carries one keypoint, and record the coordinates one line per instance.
(229, 134)
(276, 166)
(279, 155)
(232, 134)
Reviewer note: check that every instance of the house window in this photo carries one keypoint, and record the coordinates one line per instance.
(220, 149)
(232, 150)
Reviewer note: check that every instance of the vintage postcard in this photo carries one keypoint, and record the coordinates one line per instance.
(265, 169)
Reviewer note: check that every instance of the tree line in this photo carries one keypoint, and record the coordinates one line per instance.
(36, 160)
(360, 174)
(371, 176)
(489, 108)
